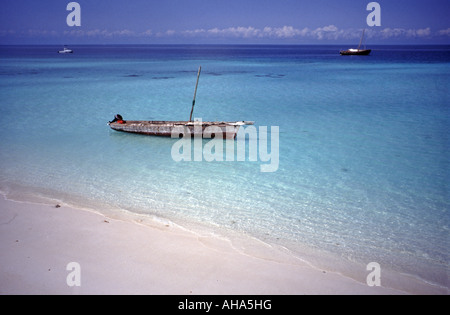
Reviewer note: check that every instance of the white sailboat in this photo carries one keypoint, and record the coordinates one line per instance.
(356, 51)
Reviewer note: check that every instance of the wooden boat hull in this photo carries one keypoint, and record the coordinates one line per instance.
(227, 130)
(355, 52)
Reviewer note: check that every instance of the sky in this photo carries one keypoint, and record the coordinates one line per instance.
(224, 22)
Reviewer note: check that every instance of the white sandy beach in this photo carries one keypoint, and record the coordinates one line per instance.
(37, 242)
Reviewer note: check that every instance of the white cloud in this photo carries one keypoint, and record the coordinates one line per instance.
(100, 33)
(239, 32)
(45, 33)
(402, 32)
(325, 33)
(330, 32)
(266, 32)
(283, 32)
(124, 33)
(424, 32)
(391, 32)
(445, 32)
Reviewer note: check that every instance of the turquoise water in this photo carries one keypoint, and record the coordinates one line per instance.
(363, 144)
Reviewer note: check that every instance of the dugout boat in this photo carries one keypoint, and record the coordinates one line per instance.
(207, 129)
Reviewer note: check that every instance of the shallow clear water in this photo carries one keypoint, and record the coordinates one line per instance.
(363, 143)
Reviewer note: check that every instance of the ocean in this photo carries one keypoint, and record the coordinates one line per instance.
(362, 143)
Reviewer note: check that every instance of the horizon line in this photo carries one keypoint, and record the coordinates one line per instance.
(217, 44)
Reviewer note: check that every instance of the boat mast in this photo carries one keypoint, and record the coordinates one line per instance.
(360, 41)
(195, 93)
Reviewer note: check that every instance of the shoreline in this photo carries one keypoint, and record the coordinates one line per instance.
(116, 256)
(345, 195)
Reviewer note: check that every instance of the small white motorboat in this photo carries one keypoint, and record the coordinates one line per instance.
(65, 51)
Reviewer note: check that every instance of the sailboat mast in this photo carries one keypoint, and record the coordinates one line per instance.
(360, 41)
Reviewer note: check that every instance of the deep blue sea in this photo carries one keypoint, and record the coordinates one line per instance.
(363, 173)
